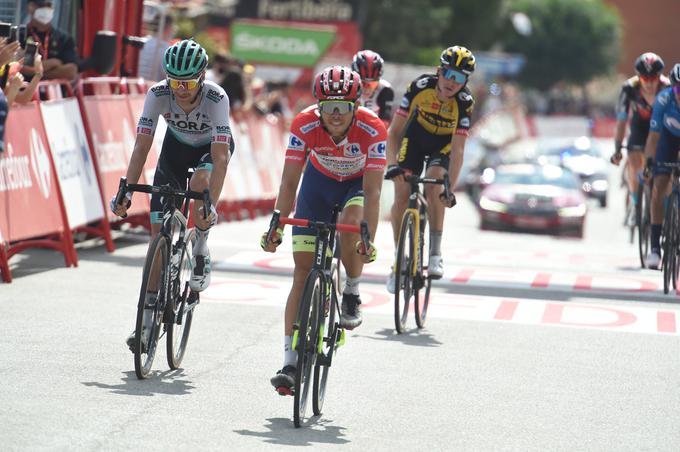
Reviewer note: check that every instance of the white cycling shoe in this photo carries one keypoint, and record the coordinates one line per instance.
(435, 268)
(653, 260)
(200, 273)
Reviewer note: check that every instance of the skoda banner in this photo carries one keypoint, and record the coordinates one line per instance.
(292, 46)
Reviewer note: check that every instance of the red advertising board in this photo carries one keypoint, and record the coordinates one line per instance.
(112, 133)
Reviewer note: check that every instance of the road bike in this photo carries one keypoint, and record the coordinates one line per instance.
(643, 218)
(317, 333)
(670, 246)
(411, 275)
(165, 295)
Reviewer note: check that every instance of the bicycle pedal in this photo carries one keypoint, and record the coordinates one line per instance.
(284, 391)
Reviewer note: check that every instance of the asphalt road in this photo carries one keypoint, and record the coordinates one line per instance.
(533, 343)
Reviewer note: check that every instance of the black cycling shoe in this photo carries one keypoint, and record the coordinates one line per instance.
(284, 380)
(350, 312)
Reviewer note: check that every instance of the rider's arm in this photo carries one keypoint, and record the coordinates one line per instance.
(220, 159)
(138, 158)
(395, 134)
(372, 185)
(292, 171)
(385, 100)
(656, 123)
(622, 107)
(456, 158)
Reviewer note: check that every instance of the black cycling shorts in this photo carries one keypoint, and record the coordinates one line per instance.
(418, 144)
(639, 130)
(173, 167)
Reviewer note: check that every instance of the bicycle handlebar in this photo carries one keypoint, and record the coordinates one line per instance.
(277, 220)
(124, 187)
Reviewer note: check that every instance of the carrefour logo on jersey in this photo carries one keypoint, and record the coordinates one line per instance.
(377, 150)
(352, 150)
(295, 143)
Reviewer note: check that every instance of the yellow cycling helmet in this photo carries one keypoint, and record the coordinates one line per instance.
(458, 57)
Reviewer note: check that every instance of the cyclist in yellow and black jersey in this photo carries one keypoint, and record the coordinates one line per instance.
(433, 120)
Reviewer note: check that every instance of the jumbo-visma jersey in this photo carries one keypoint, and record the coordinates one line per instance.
(433, 115)
(363, 149)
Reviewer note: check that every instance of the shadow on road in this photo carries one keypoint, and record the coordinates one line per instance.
(170, 382)
(315, 431)
(415, 337)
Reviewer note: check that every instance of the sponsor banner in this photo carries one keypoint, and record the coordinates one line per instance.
(304, 10)
(113, 137)
(29, 196)
(72, 161)
(272, 44)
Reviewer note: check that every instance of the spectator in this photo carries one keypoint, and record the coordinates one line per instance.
(57, 49)
(218, 68)
(151, 56)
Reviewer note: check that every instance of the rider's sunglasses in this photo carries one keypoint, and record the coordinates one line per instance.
(341, 106)
(457, 76)
(649, 78)
(370, 84)
(187, 84)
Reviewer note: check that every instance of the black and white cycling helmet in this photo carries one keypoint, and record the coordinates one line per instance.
(675, 75)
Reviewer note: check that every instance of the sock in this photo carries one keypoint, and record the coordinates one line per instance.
(656, 237)
(289, 355)
(634, 197)
(435, 243)
(201, 245)
(352, 286)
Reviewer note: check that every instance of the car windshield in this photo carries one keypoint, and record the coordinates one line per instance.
(539, 176)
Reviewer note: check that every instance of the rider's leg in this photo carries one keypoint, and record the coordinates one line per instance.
(635, 164)
(661, 183)
(199, 182)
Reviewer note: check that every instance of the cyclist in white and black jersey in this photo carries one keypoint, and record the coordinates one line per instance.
(377, 94)
(198, 136)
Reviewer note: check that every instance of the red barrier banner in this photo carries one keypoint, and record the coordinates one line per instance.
(29, 197)
(112, 131)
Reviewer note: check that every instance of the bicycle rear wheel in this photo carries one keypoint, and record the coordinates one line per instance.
(154, 283)
(668, 246)
(403, 271)
(181, 308)
(675, 255)
(327, 342)
(307, 332)
(643, 221)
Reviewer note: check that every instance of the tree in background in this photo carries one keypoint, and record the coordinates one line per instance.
(416, 31)
(571, 41)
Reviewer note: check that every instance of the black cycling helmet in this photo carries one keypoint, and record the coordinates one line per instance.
(459, 58)
(649, 63)
(675, 75)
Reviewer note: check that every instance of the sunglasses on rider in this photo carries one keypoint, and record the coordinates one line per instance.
(457, 76)
(370, 84)
(649, 78)
(341, 106)
(187, 84)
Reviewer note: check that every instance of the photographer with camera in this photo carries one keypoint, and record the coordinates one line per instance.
(56, 48)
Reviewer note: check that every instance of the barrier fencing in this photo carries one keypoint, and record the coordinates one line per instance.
(65, 155)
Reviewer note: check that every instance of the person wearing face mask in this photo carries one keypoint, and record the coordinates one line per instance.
(57, 48)
(433, 121)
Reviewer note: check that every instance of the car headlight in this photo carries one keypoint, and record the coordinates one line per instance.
(574, 211)
(494, 206)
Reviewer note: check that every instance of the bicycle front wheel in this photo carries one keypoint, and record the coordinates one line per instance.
(150, 306)
(181, 307)
(669, 243)
(327, 341)
(643, 221)
(305, 340)
(403, 271)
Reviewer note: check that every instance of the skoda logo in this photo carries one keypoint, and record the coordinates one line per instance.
(40, 162)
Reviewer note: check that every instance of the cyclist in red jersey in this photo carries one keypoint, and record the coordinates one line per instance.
(341, 148)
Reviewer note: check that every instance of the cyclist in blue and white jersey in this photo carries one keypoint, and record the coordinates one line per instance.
(663, 143)
(198, 136)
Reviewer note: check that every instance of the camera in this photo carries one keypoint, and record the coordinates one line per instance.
(29, 56)
(14, 33)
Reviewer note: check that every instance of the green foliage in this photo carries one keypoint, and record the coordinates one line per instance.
(572, 41)
(416, 31)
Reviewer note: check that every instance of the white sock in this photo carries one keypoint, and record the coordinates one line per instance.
(435, 243)
(352, 286)
(201, 245)
(289, 355)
